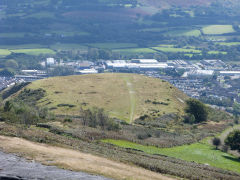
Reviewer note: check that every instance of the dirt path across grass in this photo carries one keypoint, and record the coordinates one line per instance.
(225, 133)
(132, 99)
(75, 160)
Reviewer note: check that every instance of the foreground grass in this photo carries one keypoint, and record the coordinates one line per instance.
(218, 29)
(197, 152)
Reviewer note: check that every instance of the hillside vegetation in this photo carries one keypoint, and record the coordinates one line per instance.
(123, 96)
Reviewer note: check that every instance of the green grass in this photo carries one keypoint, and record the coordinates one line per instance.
(217, 52)
(113, 45)
(188, 55)
(166, 45)
(123, 96)
(198, 152)
(229, 43)
(23, 46)
(218, 29)
(66, 47)
(135, 50)
(34, 52)
(4, 52)
(176, 50)
(194, 32)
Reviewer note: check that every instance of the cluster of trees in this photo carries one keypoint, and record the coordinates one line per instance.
(96, 117)
(196, 111)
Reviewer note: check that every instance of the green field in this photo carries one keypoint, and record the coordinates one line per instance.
(69, 33)
(23, 46)
(113, 45)
(217, 52)
(229, 43)
(188, 55)
(194, 32)
(68, 47)
(218, 29)
(166, 45)
(176, 50)
(135, 51)
(123, 96)
(199, 152)
(34, 52)
(4, 52)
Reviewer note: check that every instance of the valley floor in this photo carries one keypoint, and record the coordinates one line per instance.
(75, 160)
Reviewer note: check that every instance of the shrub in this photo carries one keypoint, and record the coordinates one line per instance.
(67, 120)
(216, 142)
(144, 135)
(189, 118)
(97, 117)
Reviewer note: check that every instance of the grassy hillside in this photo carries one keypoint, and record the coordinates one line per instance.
(124, 96)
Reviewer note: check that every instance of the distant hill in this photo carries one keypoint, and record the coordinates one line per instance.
(124, 96)
(66, 25)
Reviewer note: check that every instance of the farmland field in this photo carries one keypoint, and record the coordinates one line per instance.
(217, 52)
(176, 50)
(4, 52)
(229, 43)
(218, 29)
(65, 47)
(113, 45)
(23, 46)
(135, 50)
(199, 152)
(70, 33)
(34, 52)
(194, 32)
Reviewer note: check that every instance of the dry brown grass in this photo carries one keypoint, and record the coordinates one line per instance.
(122, 95)
(77, 161)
